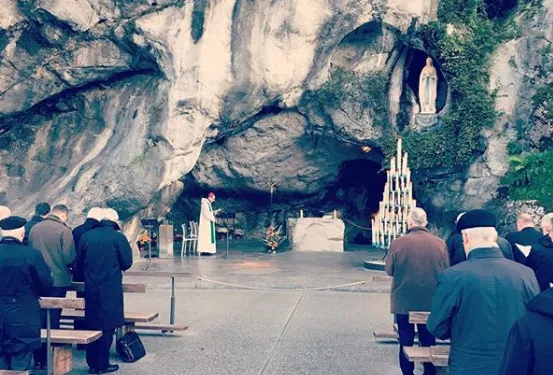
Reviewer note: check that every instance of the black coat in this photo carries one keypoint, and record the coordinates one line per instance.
(78, 232)
(476, 304)
(526, 237)
(103, 253)
(540, 260)
(24, 276)
(30, 224)
(457, 253)
(530, 348)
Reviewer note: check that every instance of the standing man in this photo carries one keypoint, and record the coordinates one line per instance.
(104, 253)
(526, 235)
(206, 230)
(41, 211)
(540, 259)
(529, 350)
(93, 218)
(479, 300)
(455, 247)
(4, 213)
(53, 238)
(415, 261)
(24, 277)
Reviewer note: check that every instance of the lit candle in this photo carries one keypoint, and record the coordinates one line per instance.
(301, 214)
(399, 153)
(335, 215)
(393, 166)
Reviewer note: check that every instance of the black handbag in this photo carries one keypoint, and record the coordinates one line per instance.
(130, 348)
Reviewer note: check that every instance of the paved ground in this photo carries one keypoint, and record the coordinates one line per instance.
(283, 327)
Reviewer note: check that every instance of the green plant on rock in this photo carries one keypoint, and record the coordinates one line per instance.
(464, 54)
(530, 177)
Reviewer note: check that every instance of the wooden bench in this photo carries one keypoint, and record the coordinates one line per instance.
(10, 372)
(418, 317)
(130, 317)
(127, 287)
(61, 359)
(437, 355)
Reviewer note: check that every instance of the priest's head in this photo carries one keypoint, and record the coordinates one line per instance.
(211, 197)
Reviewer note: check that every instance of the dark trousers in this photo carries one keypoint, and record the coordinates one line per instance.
(406, 333)
(97, 353)
(21, 361)
(55, 316)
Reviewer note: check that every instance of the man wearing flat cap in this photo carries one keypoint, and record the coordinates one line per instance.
(478, 301)
(25, 277)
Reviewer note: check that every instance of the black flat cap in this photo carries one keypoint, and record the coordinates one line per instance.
(477, 219)
(12, 223)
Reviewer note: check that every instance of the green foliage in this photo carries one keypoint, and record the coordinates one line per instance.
(465, 59)
(530, 177)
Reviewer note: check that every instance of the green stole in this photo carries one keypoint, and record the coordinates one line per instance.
(212, 225)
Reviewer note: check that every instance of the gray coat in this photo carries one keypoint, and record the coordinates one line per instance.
(476, 304)
(55, 241)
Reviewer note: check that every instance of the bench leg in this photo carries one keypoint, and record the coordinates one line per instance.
(63, 359)
(442, 370)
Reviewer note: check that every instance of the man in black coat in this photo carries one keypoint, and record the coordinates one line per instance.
(41, 211)
(457, 252)
(104, 253)
(529, 349)
(526, 235)
(540, 259)
(92, 221)
(478, 301)
(24, 277)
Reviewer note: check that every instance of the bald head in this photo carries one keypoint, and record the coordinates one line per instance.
(4, 212)
(417, 218)
(524, 221)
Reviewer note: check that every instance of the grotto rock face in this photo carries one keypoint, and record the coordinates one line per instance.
(111, 101)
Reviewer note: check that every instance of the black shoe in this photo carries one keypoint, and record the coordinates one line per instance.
(39, 367)
(92, 371)
(111, 368)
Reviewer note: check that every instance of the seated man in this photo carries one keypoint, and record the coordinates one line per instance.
(25, 277)
(478, 301)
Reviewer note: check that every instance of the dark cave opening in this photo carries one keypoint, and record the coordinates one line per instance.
(416, 61)
(355, 194)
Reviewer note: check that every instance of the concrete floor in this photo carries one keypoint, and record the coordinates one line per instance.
(280, 326)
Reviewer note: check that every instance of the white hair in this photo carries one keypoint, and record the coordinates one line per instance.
(459, 217)
(110, 214)
(96, 213)
(5, 212)
(547, 222)
(18, 233)
(417, 216)
(482, 236)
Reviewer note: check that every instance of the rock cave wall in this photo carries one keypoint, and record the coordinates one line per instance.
(140, 104)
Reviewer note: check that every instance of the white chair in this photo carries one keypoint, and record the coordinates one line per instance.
(196, 232)
(185, 241)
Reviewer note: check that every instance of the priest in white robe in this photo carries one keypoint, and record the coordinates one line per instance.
(206, 230)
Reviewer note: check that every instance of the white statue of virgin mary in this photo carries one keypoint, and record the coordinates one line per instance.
(428, 88)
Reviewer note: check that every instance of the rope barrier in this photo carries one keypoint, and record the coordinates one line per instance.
(295, 290)
(355, 225)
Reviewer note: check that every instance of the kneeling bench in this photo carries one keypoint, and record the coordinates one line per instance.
(437, 355)
(10, 372)
(62, 341)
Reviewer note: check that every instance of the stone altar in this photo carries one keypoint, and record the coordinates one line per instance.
(165, 243)
(316, 234)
